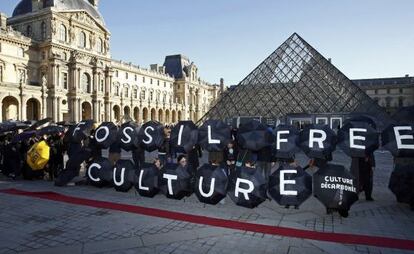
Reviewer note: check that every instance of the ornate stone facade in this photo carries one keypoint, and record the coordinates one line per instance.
(55, 62)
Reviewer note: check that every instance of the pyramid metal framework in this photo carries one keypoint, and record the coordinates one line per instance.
(295, 78)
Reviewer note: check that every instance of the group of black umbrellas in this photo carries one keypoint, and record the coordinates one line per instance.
(24, 130)
(288, 185)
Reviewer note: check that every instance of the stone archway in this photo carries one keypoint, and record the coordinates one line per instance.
(153, 114)
(167, 116)
(116, 113)
(127, 112)
(136, 114)
(160, 116)
(32, 109)
(10, 108)
(179, 115)
(86, 111)
(174, 116)
(145, 115)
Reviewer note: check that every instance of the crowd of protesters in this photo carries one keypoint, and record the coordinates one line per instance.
(13, 159)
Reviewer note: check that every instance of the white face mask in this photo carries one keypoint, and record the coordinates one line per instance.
(231, 150)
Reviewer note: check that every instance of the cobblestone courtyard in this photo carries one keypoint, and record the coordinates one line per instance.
(31, 225)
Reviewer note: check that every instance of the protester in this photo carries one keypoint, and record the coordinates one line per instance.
(264, 160)
(230, 156)
(362, 170)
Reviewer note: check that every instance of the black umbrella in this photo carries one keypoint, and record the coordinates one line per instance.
(335, 187)
(179, 179)
(405, 115)
(51, 130)
(151, 135)
(254, 136)
(81, 131)
(147, 179)
(290, 185)
(214, 135)
(65, 123)
(287, 141)
(211, 184)
(106, 134)
(41, 123)
(128, 136)
(7, 126)
(100, 172)
(23, 136)
(123, 175)
(402, 182)
(184, 136)
(247, 187)
(358, 139)
(317, 141)
(400, 145)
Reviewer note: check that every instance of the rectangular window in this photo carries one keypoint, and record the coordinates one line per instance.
(64, 80)
(102, 85)
(126, 75)
(143, 79)
(136, 77)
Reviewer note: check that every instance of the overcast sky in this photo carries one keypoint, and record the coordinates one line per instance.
(228, 38)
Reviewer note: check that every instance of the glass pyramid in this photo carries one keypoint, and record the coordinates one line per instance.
(295, 78)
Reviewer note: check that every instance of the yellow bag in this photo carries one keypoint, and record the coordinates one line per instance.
(38, 155)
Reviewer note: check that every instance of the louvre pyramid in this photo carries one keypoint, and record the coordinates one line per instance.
(293, 79)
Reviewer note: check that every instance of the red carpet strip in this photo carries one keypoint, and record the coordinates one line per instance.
(259, 228)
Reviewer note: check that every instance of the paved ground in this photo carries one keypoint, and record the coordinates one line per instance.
(39, 226)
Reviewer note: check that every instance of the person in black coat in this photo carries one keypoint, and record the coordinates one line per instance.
(230, 154)
(138, 155)
(193, 159)
(366, 175)
(264, 160)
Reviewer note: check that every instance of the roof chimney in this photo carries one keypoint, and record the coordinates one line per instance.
(95, 3)
(3, 21)
(221, 85)
(407, 76)
(330, 60)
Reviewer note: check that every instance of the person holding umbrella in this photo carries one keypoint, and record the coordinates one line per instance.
(230, 156)
(363, 169)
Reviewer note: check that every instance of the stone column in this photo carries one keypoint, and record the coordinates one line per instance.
(54, 108)
(58, 109)
(95, 110)
(23, 114)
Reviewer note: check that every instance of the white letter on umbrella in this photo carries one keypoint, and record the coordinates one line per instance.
(94, 165)
(106, 129)
(77, 127)
(313, 139)
(147, 134)
(141, 173)
(180, 133)
(210, 140)
(124, 131)
(352, 138)
(170, 178)
(210, 192)
(399, 137)
(119, 183)
(245, 192)
(279, 139)
(283, 182)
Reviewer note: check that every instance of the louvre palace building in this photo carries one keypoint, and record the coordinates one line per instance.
(55, 61)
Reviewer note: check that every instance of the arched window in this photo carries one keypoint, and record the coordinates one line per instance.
(44, 31)
(116, 89)
(135, 93)
(82, 40)
(62, 33)
(126, 92)
(86, 82)
(29, 31)
(99, 45)
(143, 94)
